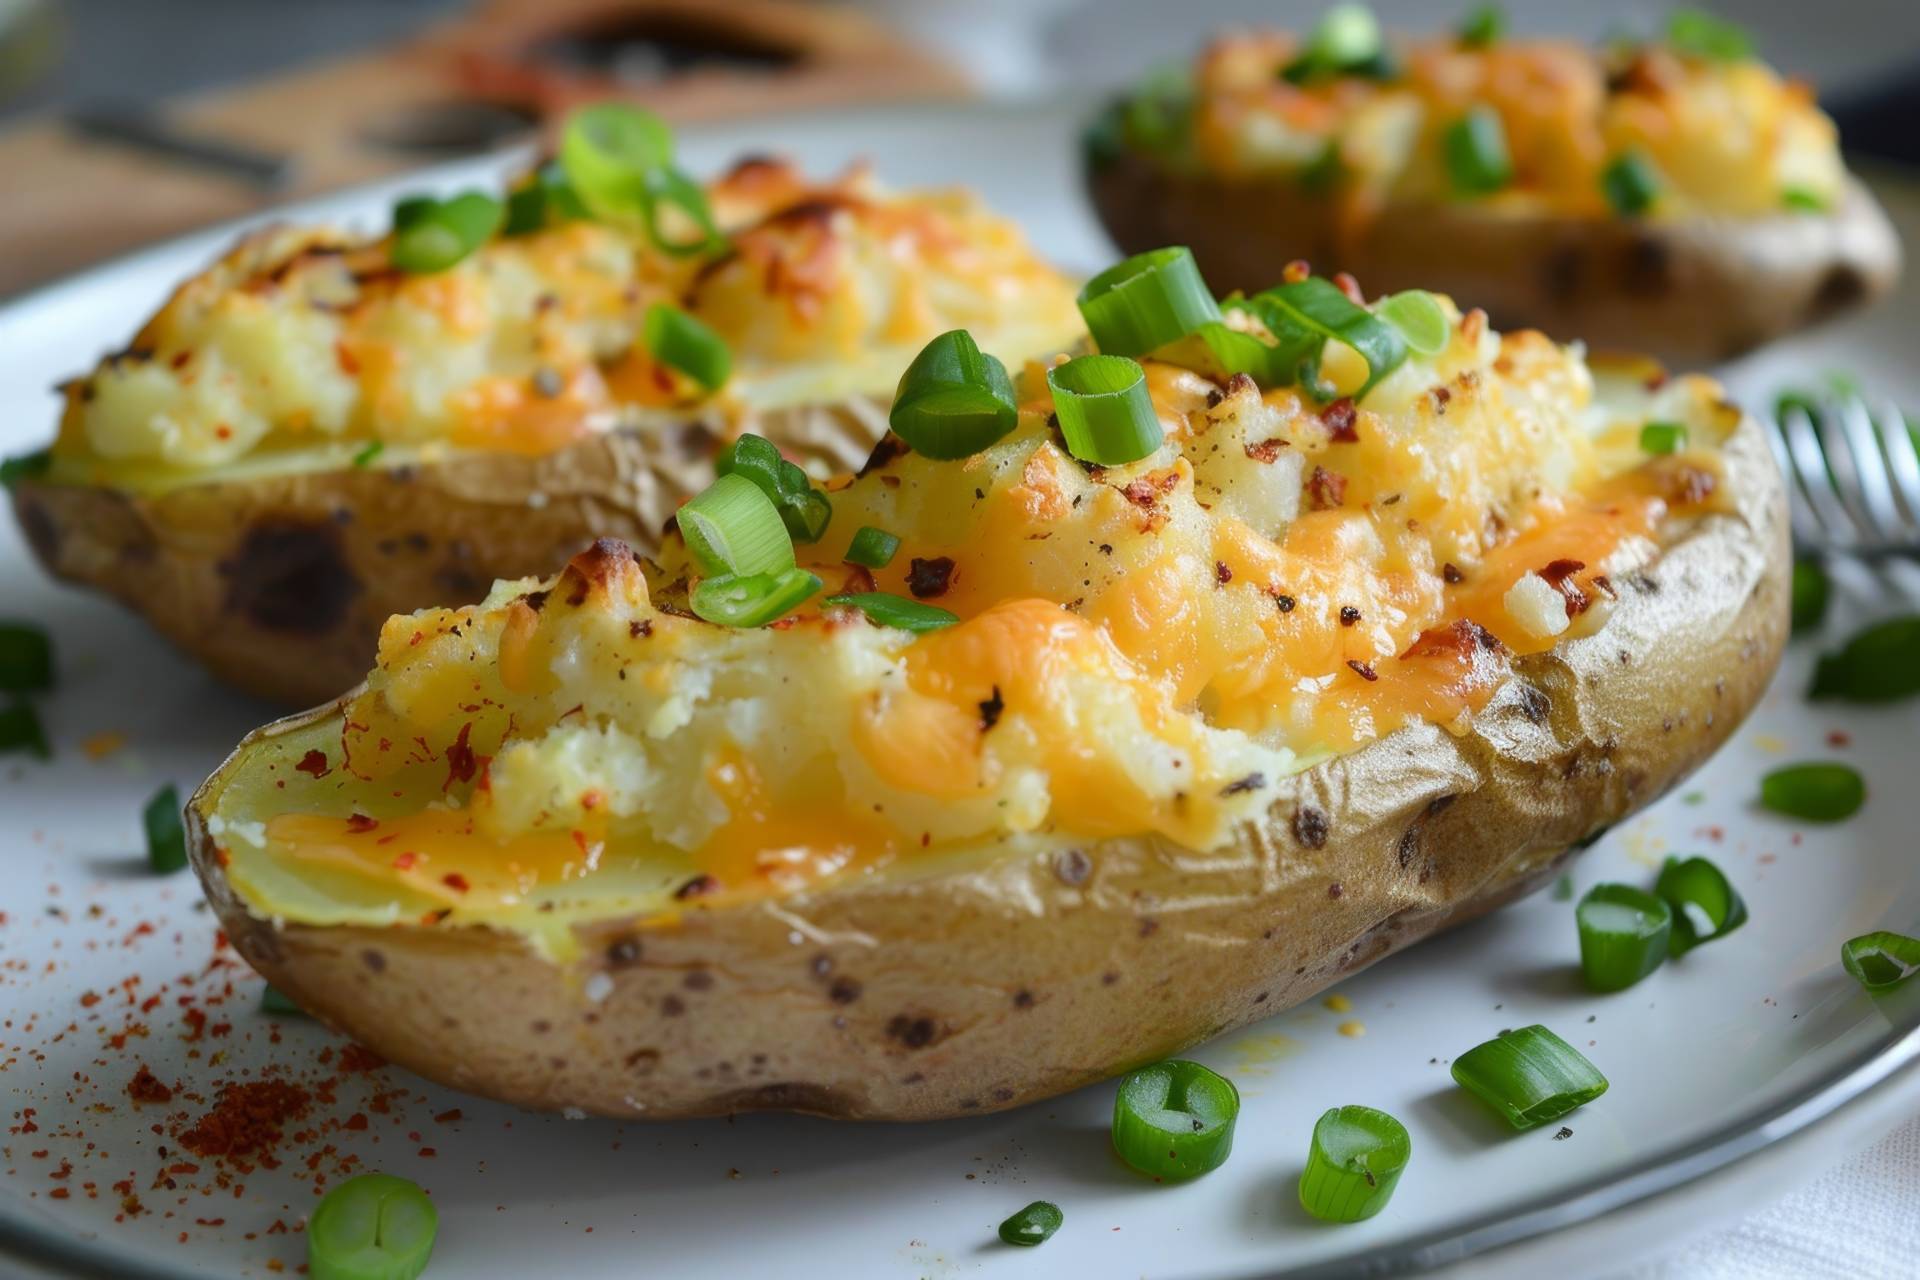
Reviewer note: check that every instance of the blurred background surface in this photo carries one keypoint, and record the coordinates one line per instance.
(210, 109)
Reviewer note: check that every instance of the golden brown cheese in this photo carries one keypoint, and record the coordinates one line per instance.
(305, 337)
(1726, 137)
(1141, 649)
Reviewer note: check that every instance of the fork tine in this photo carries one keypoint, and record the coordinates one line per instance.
(1837, 525)
(1903, 463)
(1873, 490)
(1807, 533)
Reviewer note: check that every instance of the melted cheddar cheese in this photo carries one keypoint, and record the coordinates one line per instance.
(1725, 137)
(302, 345)
(1142, 651)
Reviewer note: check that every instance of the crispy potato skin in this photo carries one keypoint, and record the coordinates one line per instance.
(1691, 292)
(279, 584)
(1010, 980)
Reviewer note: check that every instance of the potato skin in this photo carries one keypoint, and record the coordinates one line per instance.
(1692, 292)
(279, 584)
(972, 989)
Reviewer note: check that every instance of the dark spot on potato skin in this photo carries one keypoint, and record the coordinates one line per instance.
(1648, 269)
(790, 1095)
(697, 980)
(821, 965)
(914, 1033)
(290, 576)
(1310, 827)
(1072, 866)
(1840, 288)
(1023, 999)
(374, 960)
(1409, 847)
(844, 991)
(540, 1026)
(1003, 1094)
(1534, 705)
(673, 1006)
(1108, 978)
(1560, 274)
(623, 953)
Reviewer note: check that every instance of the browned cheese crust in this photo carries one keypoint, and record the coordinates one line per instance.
(977, 986)
(278, 584)
(1692, 292)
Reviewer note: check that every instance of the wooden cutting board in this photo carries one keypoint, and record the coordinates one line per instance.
(493, 77)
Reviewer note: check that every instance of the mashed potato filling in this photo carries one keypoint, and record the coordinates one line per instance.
(303, 345)
(1142, 651)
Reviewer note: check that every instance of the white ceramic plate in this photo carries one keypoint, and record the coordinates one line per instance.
(1742, 1044)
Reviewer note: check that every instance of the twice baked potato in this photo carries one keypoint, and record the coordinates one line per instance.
(1676, 197)
(1199, 735)
(307, 438)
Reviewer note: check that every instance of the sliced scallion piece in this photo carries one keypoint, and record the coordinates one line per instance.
(1624, 935)
(367, 453)
(1826, 791)
(1705, 905)
(1529, 1076)
(1104, 409)
(1219, 351)
(1879, 664)
(1705, 35)
(1147, 301)
(898, 612)
(1483, 26)
(1346, 40)
(24, 466)
(1663, 437)
(544, 200)
(372, 1227)
(1475, 147)
(670, 189)
(618, 160)
(1810, 592)
(20, 731)
(873, 548)
(1033, 1225)
(1174, 1120)
(732, 528)
(166, 833)
(433, 235)
(1881, 961)
(275, 1001)
(1630, 184)
(1306, 314)
(681, 342)
(26, 659)
(954, 400)
(1803, 200)
(752, 600)
(1353, 1164)
(1418, 316)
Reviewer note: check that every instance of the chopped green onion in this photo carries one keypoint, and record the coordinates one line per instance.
(1353, 1164)
(1104, 409)
(1219, 351)
(1174, 1120)
(1305, 315)
(1483, 26)
(898, 612)
(1703, 35)
(545, 199)
(731, 527)
(1475, 146)
(804, 510)
(1563, 889)
(25, 466)
(1147, 301)
(433, 235)
(752, 601)
(874, 548)
(365, 455)
(373, 1227)
(681, 342)
(1419, 318)
(953, 400)
(1822, 792)
(1705, 906)
(1623, 935)
(618, 160)
(275, 1001)
(1033, 1225)
(1880, 664)
(1810, 592)
(1881, 961)
(1630, 184)
(1663, 437)
(26, 659)
(1346, 39)
(1529, 1076)
(1803, 200)
(166, 834)
(20, 731)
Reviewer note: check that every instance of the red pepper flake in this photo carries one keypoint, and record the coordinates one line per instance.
(89, 1000)
(248, 1119)
(359, 823)
(1296, 271)
(60, 1193)
(1345, 283)
(1266, 450)
(428, 1153)
(405, 861)
(1839, 739)
(1339, 418)
(358, 1059)
(1326, 489)
(1559, 575)
(447, 1117)
(461, 762)
(455, 881)
(315, 763)
(344, 357)
(355, 1122)
(1363, 670)
(196, 1021)
(147, 1087)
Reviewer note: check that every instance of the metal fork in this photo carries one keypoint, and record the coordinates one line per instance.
(1853, 476)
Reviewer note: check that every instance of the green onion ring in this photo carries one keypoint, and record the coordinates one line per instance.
(1032, 1225)
(872, 548)
(1663, 437)
(731, 527)
(1353, 1164)
(953, 400)
(1881, 961)
(1624, 935)
(1147, 301)
(753, 600)
(1879, 664)
(1826, 791)
(1705, 905)
(1529, 1076)
(1105, 410)
(898, 612)
(166, 831)
(1174, 1120)
(682, 342)
(1418, 316)
(1306, 314)
(373, 1227)
(1475, 147)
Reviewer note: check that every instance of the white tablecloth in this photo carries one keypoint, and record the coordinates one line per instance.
(1857, 1221)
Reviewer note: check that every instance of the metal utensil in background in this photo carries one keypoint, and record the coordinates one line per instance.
(147, 129)
(1853, 474)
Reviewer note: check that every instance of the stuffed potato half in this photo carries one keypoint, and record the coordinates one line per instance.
(1673, 196)
(1308, 681)
(311, 436)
